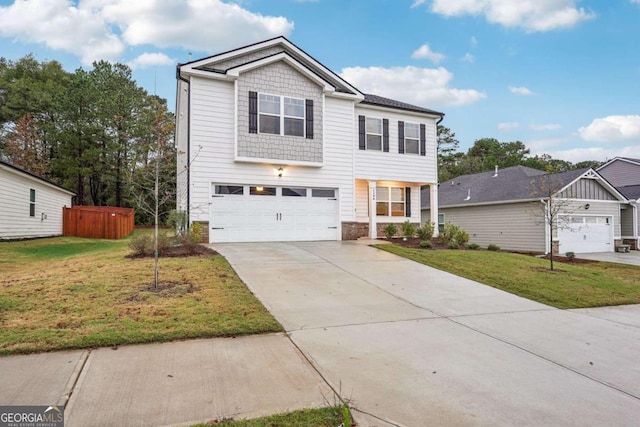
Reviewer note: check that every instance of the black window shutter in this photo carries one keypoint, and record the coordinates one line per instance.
(253, 112)
(362, 144)
(385, 135)
(407, 199)
(401, 137)
(309, 120)
(423, 140)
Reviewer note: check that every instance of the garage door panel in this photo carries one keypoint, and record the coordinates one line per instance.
(255, 218)
(585, 234)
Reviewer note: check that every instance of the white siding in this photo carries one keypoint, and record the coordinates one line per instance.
(512, 226)
(393, 166)
(212, 128)
(15, 222)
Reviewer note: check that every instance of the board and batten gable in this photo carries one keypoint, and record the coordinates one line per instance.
(587, 189)
(212, 133)
(278, 79)
(393, 165)
(15, 193)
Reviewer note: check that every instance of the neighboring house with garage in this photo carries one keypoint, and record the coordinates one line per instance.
(507, 207)
(274, 146)
(624, 174)
(30, 206)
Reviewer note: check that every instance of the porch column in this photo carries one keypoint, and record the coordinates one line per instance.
(433, 195)
(373, 223)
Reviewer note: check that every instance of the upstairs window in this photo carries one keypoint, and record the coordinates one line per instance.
(374, 134)
(281, 115)
(411, 138)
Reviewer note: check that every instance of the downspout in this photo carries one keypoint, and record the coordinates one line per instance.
(548, 239)
(179, 77)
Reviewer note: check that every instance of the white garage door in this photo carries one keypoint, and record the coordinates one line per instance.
(583, 234)
(251, 213)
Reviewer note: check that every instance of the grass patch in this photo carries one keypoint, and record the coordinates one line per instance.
(65, 293)
(570, 286)
(321, 417)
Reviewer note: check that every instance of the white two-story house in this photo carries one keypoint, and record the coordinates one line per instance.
(274, 146)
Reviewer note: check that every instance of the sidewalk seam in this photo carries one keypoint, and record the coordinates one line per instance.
(73, 379)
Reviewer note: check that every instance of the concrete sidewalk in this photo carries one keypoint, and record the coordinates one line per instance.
(410, 345)
(170, 383)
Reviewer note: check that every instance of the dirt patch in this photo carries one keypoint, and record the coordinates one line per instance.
(547, 270)
(165, 288)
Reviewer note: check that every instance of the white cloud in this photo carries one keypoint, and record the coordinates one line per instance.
(508, 126)
(612, 129)
(417, 3)
(468, 57)
(473, 41)
(575, 155)
(206, 25)
(520, 90)
(421, 86)
(544, 127)
(102, 29)
(531, 15)
(151, 59)
(59, 24)
(425, 52)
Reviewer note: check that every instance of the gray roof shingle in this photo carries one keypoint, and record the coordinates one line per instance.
(631, 192)
(513, 183)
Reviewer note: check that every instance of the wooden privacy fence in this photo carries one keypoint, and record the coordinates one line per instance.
(97, 222)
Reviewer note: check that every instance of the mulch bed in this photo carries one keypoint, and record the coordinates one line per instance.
(179, 251)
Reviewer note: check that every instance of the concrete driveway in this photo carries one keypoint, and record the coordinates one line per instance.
(632, 257)
(411, 345)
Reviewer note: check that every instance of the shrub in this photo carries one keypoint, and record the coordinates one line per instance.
(452, 235)
(425, 244)
(390, 230)
(408, 229)
(571, 255)
(142, 244)
(473, 246)
(454, 245)
(426, 231)
(493, 247)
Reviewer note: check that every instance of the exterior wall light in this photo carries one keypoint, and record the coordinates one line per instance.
(280, 171)
(587, 206)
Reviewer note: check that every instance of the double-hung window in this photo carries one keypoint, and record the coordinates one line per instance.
(281, 115)
(374, 134)
(390, 201)
(412, 138)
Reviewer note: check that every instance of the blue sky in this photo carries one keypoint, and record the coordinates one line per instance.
(562, 76)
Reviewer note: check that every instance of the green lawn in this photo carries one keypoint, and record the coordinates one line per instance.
(322, 417)
(568, 286)
(63, 293)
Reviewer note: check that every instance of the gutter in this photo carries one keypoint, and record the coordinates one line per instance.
(188, 124)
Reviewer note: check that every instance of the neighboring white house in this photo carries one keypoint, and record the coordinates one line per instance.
(29, 205)
(507, 207)
(274, 146)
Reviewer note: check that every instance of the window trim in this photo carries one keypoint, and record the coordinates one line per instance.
(32, 202)
(282, 116)
(390, 201)
(416, 139)
(441, 224)
(367, 133)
